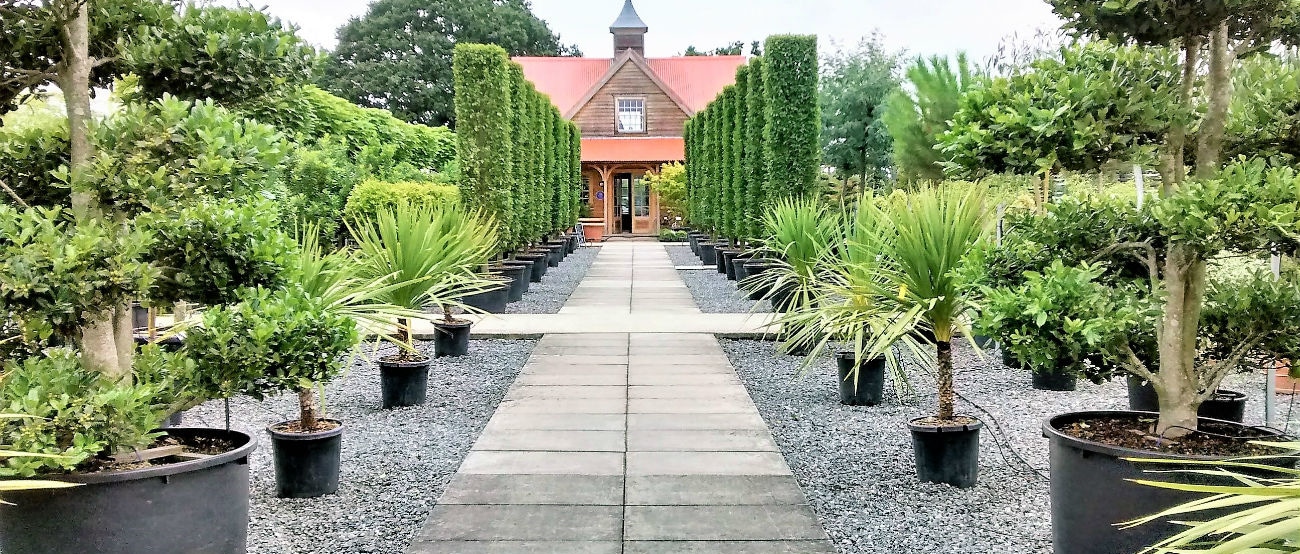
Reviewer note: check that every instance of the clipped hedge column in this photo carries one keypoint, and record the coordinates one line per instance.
(793, 116)
(706, 170)
(728, 101)
(559, 202)
(483, 127)
(688, 136)
(740, 202)
(755, 150)
(518, 220)
(575, 155)
(537, 187)
(719, 174)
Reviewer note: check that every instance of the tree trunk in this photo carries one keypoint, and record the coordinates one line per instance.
(946, 393)
(404, 332)
(1209, 147)
(1177, 382)
(1173, 167)
(307, 408)
(99, 338)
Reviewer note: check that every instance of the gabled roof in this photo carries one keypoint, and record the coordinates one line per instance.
(691, 81)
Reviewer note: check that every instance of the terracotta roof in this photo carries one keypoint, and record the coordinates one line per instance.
(696, 80)
(643, 149)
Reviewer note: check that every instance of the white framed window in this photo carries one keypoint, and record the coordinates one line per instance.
(630, 115)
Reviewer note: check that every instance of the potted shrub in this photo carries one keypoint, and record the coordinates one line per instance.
(898, 278)
(430, 255)
(801, 238)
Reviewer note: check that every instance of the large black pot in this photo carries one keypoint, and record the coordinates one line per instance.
(538, 259)
(735, 263)
(520, 274)
(869, 388)
(754, 268)
(784, 297)
(694, 240)
(1091, 491)
(720, 258)
(949, 454)
(403, 383)
(742, 273)
(571, 243)
(491, 301)
(306, 464)
(1227, 405)
(556, 253)
(708, 253)
(195, 506)
(1054, 380)
(451, 338)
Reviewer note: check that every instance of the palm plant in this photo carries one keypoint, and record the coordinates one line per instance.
(430, 255)
(1255, 515)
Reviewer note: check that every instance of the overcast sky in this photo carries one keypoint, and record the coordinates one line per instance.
(919, 26)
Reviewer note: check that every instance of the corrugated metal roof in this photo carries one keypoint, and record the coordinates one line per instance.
(641, 149)
(696, 80)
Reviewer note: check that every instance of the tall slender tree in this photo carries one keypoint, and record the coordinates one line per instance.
(740, 203)
(916, 118)
(854, 87)
(793, 116)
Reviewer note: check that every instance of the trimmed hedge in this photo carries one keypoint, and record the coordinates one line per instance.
(793, 127)
(740, 203)
(520, 133)
(373, 195)
(575, 166)
(755, 156)
(483, 102)
(728, 196)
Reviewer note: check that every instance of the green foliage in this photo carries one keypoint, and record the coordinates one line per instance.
(270, 342)
(29, 157)
(670, 235)
(742, 206)
(399, 56)
(854, 87)
(916, 118)
(1098, 103)
(483, 102)
(230, 55)
(56, 274)
(318, 183)
(793, 146)
(755, 174)
(520, 168)
(576, 178)
(1259, 308)
(557, 170)
(373, 196)
(537, 210)
(209, 251)
(727, 198)
(1165, 21)
(171, 152)
(1264, 119)
(74, 415)
(800, 234)
(670, 185)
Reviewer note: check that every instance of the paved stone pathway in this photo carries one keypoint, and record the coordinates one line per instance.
(625, 443)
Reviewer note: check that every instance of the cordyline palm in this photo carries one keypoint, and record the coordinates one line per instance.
(1255, 515)
(430, 254)
(899, 279)
(801, 235)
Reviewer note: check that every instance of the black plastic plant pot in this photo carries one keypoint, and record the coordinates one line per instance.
(1054, 380)
(403, 383)
(708, 253)
(754, 268)
(451, 338)
(982, 341)
(1090, 491)
(572, 243)
(1228, 405)
(734, 261)
(720, 259)
(555, 254)
(173, 421)
(694, 240)
(306, 464)
(784, 296)
(947, 454)
(742, 272)
(869, 387)
(492, 301)
(1009, 360)
(539, 260)
(139, 316)
(520, 275)
(195, 506)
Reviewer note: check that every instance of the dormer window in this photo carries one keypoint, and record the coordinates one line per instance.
(630, 114)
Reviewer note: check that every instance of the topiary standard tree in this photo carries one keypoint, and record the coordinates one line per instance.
(755, 150)
(483, 102)
(792, 132)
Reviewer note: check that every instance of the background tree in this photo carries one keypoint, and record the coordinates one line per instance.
(855, 84)
(732, 49)
(670, 185)
(399, 55)
(916, 116)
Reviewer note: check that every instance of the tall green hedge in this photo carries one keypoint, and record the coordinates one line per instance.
(729, 219)
(560, 171)
(793, 117)
(755, 157)
(688, 137)
(484, 127)
(740, 202)
(518, 216)
(575, 156)
(719, 174)
(537, 180)
(706, 169)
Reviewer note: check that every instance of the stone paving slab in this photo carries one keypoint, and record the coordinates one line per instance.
(627, 431)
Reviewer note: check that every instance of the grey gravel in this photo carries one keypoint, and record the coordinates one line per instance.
(856, 465)
(548, 296)
(713, 293)
(396, 463)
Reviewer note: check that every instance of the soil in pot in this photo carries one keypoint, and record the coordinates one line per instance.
(868, 389)
(403, 381)
(164, 505)
(1058, 380)
(306, 462)
(451, 338)
(1225, 404)
(947, 451)
(1090, 491)
(708, 253)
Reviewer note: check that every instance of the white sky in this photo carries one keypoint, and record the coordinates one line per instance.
(918, 26)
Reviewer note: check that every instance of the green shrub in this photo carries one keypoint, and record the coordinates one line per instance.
(793, 129)
(29, 157)
(73, 413)
(371, 196)
(317, 183)
(670, 235)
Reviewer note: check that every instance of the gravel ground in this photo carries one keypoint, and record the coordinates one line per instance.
(559, 283)
(856, 463)
(396, 463)
(713, 293)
